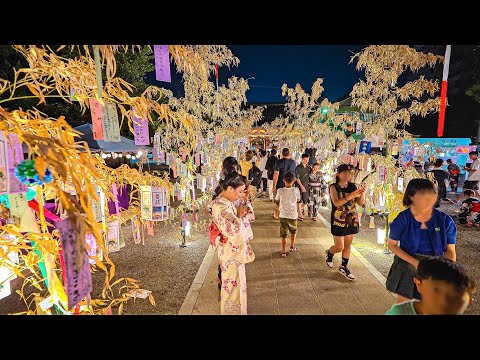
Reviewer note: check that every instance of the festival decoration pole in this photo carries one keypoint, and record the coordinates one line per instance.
(443, 93)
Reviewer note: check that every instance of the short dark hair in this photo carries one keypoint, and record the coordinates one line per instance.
(273, 152)
(305, 155)
(263, 153)
(468, 192)
(442, 269)
(438, 163)
(249, 155)
(417, 185)
(285, 152)
(229, 161)
(473, 153)
(289, 177)
(449, 160)
(316, 164)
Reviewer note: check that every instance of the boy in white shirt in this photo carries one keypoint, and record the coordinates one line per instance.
(287, 198)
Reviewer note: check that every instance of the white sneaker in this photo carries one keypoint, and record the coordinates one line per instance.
(346, 272)
(329, 263)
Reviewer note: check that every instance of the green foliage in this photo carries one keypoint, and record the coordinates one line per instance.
(474, 90)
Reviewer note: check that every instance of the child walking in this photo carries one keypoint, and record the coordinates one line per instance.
(445, 287)
(287, 199)
(316, 184)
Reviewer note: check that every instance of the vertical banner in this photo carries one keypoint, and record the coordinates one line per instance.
(113, 236)
(400, 184)
(382, 173)
(91, 248)
(157, 204)
(21, 213)
(96, 208)
(146, 202)
(211, 138)
(14, 154)
(358, 129)
(161, 157)
(137, 235)
(197, 159)
(98, 113)
(217, 139)
(140, 129)
(165, 203)
(111, 128)
(150, 230)
(79, 278)
(162, 63)
(4, 173)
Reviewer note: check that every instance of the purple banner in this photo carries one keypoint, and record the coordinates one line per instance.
(79, 278)
(162, 63)
(14, 157)
(140, 128)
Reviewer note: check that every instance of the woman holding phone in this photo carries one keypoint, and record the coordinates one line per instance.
(344, 219)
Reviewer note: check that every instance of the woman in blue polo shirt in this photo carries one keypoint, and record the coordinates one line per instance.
(417, 232)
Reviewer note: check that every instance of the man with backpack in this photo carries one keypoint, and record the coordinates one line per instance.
(252, 172)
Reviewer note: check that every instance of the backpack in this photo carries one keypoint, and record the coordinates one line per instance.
(255, 174)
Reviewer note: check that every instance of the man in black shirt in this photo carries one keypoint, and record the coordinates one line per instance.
(270, 167)
(441, 177)
(282, 166)
(302, 172)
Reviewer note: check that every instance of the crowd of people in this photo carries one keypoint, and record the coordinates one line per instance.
(424, 273)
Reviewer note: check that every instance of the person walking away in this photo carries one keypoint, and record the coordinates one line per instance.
(454, 171)
(270, 167)
(420, 230)
(302, 172)
(344, 218)
(236, 251)
(316, 186)
(288, 199)
(445, 288)
(262, 163)
(471, 183)
(441, 178)
(282, 166)
(246, 165)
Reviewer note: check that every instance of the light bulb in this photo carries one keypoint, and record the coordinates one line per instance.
(120, 155)
(109, 155)
(133, 157)
(139, 153)
(104, 156)
(115, 155)
(128, 156)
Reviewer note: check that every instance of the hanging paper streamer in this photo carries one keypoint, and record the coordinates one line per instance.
(358, 129)
(365, 147)
(150, 228)
(140, 129)
(197, 159)
(162, 63)
(165, 202)
(400, 184)
(210, 138)
(14, 156)
(161, 157)
(111, 128)
(98, 112)
(208, 183)
(157, 204)
(113, 236)
(91, 248)
(382, 173)
(184, 155)
(22, 215)
(214, 183)
(96, 208)
(146, 202)
(137, 235)
(79, 279)
(204, 157)
(4, 173)
(217, 139)
(183, 170)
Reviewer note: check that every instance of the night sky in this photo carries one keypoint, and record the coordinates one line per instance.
(273, 65)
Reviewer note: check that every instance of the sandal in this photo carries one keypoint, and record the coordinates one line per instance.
(300, 219)
(284, 254)
(294, 249)
(276, 218)
(314, 219)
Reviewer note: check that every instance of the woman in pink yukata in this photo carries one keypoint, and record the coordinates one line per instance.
(235, 252)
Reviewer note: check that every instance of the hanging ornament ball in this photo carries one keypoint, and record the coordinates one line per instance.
(26, 173)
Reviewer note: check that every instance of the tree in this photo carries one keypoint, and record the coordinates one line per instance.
(474, 90)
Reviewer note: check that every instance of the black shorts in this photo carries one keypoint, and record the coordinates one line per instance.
(305, 197)
(470, 185)
(343, 231)
(400, 278)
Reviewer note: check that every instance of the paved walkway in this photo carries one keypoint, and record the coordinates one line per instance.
(301, 283)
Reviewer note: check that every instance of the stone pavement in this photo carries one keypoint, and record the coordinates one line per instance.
(301, 283)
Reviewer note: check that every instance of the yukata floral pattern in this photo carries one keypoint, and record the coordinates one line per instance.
(232, 255)
(316, 186)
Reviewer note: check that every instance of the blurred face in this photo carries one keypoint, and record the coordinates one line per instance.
(315, 168)
(304, 161)
(424, 199)
(473, 157)
(345, 176)
(234, 194)
(441, 297)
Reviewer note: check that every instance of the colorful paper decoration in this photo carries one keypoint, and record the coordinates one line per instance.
(4, 173)
(365, 147)
(146, 202)
(98, 112)
(211, 138)
(197, 159)
(162, 63)
(78, 276)
(400, 184)
(22, 215)
(96, 207)
(358, 129)
(91, 248)
(113, 236)
(382, 173)
(161, 157)
(150, 230)
(140, 128)
(137, 235)
(157, 204)
(111, 128)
